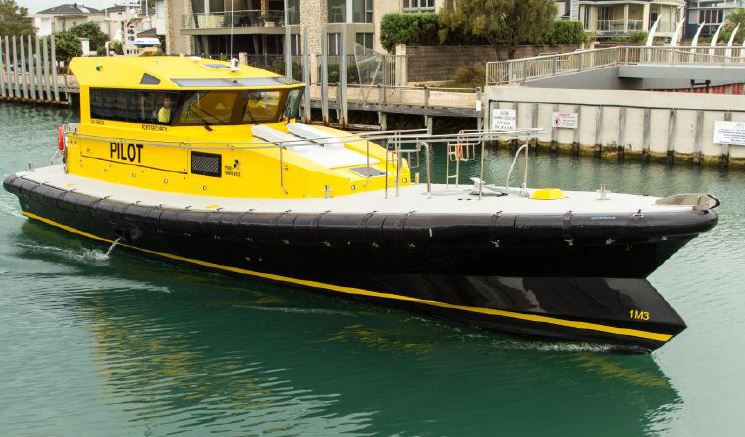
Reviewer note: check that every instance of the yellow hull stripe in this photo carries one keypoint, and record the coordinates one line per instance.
(377, 294)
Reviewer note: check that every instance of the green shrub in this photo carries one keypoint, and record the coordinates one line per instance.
(278, 66)
(352, 74)
(568, 32)
(412, 29)
(638, 37)
(467, 76)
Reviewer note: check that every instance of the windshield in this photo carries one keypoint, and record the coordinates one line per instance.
(260, 106)
(230, 107)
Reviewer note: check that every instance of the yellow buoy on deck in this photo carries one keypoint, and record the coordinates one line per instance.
(548, 194)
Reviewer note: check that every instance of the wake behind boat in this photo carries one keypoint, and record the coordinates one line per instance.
(203, 162)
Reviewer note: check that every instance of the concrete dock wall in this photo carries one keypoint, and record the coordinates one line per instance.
(640, 124)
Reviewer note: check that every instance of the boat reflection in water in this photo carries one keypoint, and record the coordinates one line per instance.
(219, 354)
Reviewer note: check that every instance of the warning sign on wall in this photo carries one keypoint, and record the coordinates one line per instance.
(729, 132)
(503, 119)
(566, 120)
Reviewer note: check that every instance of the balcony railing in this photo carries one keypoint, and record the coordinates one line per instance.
(252, 18)
(617, 26)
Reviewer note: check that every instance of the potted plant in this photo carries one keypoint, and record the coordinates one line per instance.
(268, 20)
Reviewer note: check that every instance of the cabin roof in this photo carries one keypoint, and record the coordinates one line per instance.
(171, 73)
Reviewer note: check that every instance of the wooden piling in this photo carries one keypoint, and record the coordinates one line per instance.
(306, 77)
(341, 91)
(325, 76)
(22, 67)
(31, 77)
(39, 83)
(53, 56)
(16, 87)
(45, 62)
(11, 91)
(2, 71)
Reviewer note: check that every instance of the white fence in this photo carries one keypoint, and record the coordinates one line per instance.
(517, 71)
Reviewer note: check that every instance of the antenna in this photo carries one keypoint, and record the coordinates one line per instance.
(232, 11)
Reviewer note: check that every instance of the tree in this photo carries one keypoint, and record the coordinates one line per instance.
(501, 22)
(14, 19)
(412, 29)
(67, 46)
(91, 31)
(735, 18)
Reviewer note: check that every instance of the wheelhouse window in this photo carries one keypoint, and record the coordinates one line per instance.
(198, 107)
(207, 107)
(292, 108)
(133, 106)
(260, 106)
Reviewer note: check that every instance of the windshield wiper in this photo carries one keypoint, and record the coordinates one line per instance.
(207, 126)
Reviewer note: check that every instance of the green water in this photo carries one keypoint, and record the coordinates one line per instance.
(92, 345)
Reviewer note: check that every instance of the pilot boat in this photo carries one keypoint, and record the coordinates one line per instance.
(206, 163)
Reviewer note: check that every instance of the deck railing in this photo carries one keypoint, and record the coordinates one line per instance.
(616, 26)
(517, 71)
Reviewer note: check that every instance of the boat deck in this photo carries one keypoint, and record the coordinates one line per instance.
(411, 199)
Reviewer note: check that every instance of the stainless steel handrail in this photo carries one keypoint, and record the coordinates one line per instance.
(512, 167)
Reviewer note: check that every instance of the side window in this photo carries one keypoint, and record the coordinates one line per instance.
(292, 108)
(132, 106)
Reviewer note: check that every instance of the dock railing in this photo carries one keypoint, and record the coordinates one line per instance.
(396, 143)
(517, 71)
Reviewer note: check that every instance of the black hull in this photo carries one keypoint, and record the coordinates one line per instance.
(569, 276)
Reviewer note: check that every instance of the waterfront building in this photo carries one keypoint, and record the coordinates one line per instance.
(712, 13)
(121, 22)
(609, 18)
(203, 27)
(63, 17)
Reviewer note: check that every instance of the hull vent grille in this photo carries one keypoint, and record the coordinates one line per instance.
(207, 164)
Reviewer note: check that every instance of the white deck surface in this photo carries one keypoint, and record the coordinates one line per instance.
(412, 198)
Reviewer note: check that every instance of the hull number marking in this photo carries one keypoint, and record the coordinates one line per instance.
(639, 315)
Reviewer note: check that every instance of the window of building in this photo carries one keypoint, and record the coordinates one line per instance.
(216, 6)
(692, 17)
(296, 47)
(710, 16)
(293, 11)
(604, 13)
(362, 11)
(418, 5)
(198, 6)
(365, 40)
(207, 6)
(586, 17)
(337, 11)
(334, 40)
(276, 7)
